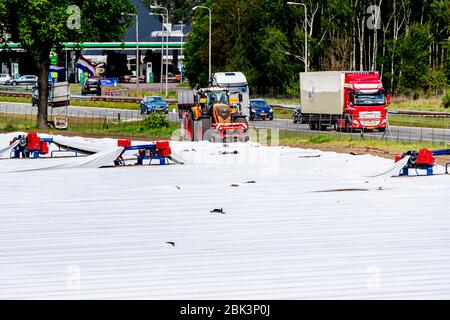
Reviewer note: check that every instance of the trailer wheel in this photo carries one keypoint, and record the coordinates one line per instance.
(313, 125)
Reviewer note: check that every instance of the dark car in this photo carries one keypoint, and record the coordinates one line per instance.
(92, 86)
(296, 116)
(154, 104)
(260, 109)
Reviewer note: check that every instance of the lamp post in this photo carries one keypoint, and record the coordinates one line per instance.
(162, 49)
(137, 48)
(181, 51)
(306, 32)
(167, 47)
(209, 63)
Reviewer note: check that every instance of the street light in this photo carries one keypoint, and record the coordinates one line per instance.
(167, 46)
(137, 48)
(306, 32)
(193, 9)
(162, 49)
(181, 51)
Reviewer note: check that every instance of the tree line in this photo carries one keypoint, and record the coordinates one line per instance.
(405, 40)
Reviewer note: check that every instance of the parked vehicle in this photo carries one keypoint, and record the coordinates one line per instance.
(26, 79)
(133, 79)
(92, 86)
(260, 109)
(154, 104)
(347, 100)
(171, 78)
(4, 78)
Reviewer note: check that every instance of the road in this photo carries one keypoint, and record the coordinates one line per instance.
(408, 134)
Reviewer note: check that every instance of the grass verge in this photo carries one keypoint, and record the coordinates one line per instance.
(148, 127)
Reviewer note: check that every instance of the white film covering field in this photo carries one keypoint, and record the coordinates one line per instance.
(297, 224)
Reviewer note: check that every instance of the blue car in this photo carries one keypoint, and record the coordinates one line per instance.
(260, 109)
(154, 104)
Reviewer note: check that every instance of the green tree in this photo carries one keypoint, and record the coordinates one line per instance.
(40, 26)
(414, 50)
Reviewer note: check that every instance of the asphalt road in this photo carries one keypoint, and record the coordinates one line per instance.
(408, 134)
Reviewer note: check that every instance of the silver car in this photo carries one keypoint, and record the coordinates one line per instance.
(27, 79)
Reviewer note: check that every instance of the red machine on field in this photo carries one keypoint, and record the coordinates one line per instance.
(207, 114)
(423, 159)
(346, 100)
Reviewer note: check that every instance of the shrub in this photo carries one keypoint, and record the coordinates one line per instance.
(446, 100)
(155, 121)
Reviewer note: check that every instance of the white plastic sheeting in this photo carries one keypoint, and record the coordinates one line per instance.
(393, 170)
(97, 160)
(103, 233)
(82, 145)
(6, 151)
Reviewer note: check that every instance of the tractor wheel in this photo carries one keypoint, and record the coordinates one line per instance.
(206, 124)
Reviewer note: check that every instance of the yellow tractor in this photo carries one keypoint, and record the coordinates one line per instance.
(211, 116)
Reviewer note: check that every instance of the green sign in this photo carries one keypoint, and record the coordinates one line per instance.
(53, 58)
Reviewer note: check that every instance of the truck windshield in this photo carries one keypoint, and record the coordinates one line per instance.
(369, 99)
(234, 87)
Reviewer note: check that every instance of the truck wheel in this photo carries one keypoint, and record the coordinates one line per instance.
(381, 129)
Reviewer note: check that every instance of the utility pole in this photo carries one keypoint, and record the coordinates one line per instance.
(162, 49)
(181, 51)
(137, 49)
(167, 46)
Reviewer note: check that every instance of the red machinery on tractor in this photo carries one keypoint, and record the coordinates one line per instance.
(208, 115)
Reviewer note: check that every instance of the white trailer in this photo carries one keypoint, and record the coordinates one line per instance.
(322, 92)
(236, 83)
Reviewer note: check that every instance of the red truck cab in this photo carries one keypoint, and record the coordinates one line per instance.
(365, 102)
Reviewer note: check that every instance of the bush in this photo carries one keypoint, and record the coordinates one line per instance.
(321, 138)
(446, 100)
(155, 121)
